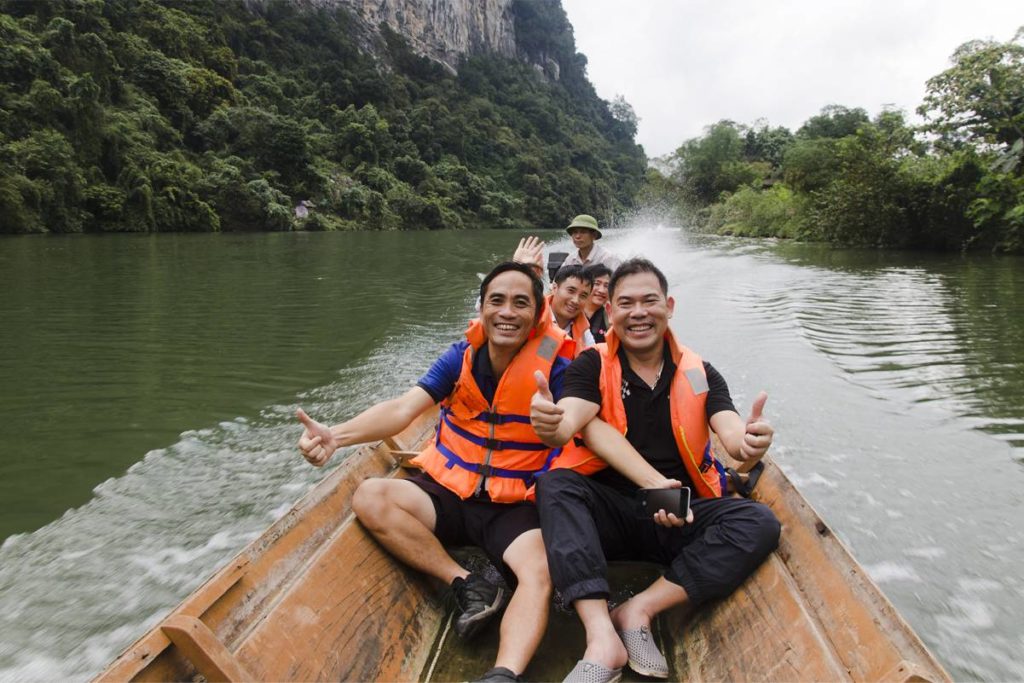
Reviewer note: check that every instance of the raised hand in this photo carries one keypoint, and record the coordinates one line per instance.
(759, 433)
(530, 251)
(545, 416)
(317, 442)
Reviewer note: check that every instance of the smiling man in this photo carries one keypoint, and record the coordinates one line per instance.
(666, 401)
(478, 472)
(584, 233)
(569, 295)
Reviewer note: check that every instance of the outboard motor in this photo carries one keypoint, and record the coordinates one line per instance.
(555, 261)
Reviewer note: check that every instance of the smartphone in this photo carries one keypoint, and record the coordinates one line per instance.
(674, 501)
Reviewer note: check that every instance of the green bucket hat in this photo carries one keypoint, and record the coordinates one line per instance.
(585, 221)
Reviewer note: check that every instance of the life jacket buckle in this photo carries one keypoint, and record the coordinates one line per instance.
(494, 444)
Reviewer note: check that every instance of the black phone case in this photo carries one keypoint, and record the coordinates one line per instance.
(675, 501)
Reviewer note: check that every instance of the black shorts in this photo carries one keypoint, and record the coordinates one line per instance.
(490, 526)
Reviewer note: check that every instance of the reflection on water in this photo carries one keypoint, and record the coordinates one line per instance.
(896, 384)
(949, 330)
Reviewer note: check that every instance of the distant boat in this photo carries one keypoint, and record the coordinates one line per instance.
(315, 598)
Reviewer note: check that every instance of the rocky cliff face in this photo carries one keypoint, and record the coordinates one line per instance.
(443, 30)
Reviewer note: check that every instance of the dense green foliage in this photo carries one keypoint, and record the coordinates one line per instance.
(146, 115)
(955, 183)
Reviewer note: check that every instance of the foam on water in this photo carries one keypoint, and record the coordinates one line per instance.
(77, 591)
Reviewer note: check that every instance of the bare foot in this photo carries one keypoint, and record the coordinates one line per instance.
(605, 648)
(629, 616)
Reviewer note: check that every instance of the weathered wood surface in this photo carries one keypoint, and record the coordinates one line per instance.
(810, 613)
(314, 598)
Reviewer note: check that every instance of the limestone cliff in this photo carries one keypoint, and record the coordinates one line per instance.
(443, 30)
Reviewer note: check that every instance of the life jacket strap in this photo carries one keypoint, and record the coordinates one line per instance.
(527, 476)
(490, 444)
(499, 419)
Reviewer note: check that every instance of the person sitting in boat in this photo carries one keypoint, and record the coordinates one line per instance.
(666, 401)
(594, 307)
(478, 472)
(584, 233)
(569, 293)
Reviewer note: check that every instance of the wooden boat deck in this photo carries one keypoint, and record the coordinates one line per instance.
(315, 598)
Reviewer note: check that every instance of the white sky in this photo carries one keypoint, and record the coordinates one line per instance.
(685, 64)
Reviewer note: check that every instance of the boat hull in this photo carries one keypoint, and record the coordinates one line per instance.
(315, 598)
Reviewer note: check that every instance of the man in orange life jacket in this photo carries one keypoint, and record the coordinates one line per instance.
(478, 471)
(666, 401)
(569, 293)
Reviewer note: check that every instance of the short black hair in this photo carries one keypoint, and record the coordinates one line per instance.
(578, 272)
(535, 282)
(597, 270)
(635, 266)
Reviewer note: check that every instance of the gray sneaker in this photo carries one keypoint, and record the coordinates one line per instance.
(478, 600)
(644, 656)
(592, 672)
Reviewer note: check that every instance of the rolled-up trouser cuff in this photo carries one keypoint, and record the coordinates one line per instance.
(687, 583)
(588, 588)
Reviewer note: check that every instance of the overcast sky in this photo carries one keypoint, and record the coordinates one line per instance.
(685, 64)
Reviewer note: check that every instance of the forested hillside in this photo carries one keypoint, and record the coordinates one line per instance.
(205, 115)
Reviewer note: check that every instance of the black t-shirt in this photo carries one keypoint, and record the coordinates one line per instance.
(647, 411)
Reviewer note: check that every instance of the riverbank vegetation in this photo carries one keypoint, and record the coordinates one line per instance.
(954, 183)
(205, 115)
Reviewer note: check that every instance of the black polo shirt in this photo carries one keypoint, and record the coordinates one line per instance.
(648, 413)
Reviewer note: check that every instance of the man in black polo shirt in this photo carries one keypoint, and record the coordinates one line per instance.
(628, 382)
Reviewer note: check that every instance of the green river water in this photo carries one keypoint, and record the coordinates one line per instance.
(148, 383)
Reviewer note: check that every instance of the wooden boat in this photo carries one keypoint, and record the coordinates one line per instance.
(315, 598)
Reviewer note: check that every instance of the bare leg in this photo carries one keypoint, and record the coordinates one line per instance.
(641, 609)
(400, 515)
(603, 644)
(526, 617)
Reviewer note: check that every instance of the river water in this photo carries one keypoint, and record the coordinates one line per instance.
(148, 383)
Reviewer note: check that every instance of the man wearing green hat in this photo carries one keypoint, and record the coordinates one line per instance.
(584, 233)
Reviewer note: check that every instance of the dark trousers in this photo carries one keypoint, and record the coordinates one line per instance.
(586, 523)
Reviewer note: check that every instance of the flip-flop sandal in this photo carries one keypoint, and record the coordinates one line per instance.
(591, 672)
(644, 656)
(745, 488)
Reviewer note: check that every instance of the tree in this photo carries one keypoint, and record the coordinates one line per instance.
(834, 121)
(980, 99)
(623, 112)
(713, 163)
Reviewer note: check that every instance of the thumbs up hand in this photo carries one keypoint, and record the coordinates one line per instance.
(758, 434)
(317, 442)
(545, 416)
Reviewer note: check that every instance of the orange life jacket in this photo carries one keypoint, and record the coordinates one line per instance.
(688, 410)
(480, 442)
(579, 327)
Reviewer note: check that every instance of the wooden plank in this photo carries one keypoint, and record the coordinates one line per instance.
(209, 656)
(355, 615)
(761, 633)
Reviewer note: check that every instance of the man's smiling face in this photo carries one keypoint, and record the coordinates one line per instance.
(640, 311)
(508, 310)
